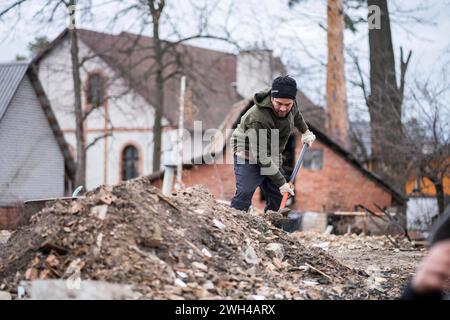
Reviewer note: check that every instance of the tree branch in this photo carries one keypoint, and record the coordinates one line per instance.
(16, 4)
(361, 77)
(403, 68)
(109, 134)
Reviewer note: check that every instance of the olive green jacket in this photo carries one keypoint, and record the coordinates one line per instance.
(260, 129)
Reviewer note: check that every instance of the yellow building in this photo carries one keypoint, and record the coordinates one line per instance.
(424, 187)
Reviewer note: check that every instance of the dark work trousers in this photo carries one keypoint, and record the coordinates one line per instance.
(248, 178)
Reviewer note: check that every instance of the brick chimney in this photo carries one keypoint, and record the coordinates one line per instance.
(337, 118)
(255, 71)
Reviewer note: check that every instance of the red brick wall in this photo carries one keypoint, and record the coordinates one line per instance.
(8, 217)
(219, 179)
(338, 186)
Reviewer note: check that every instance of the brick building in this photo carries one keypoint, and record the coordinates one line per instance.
(118, 90)
(330, 179)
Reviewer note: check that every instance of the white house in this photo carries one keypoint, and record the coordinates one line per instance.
(118, 89)
(35, 161)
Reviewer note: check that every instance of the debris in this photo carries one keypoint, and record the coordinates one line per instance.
(199, 211)
(178, 247)
(250, 256)
(200, 293)
(76, 208)
(88, 290)
(317, 270)
(106, 197)
(31, 274)
(47, 247)
(100, 211)
(206, 253)
(151, 237)
(180, 283)
(329, 229)
(277, 262)
(4, 236)
(169, 202)
(208, 285)
(218, 224)
(310, 282)
(52, 261)
(275, 250)
(200, 266)
(323, 245)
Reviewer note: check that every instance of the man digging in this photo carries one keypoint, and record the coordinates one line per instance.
(259, 141)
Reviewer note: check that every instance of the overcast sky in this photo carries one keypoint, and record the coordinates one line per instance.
(298, 35)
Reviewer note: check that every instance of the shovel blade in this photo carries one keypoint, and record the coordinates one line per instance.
(293, 223)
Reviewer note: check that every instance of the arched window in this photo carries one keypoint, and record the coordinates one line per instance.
(95, 90)
(130, 163)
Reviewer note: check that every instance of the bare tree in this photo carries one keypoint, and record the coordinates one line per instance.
(386, 98)
(80, 174)
(428, 135)
(156, 8)
(164, 59)
(47, 15)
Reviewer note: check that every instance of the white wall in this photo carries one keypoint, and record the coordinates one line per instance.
(419, 213)
(131, 116)
(254, 72)
(31, 162)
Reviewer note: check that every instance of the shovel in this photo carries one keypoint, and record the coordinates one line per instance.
(294, 219)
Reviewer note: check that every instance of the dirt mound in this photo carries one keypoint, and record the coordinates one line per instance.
(184, 246)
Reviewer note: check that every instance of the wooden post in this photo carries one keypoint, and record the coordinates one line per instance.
(179, 182)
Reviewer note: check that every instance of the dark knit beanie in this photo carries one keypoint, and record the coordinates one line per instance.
(284, 87)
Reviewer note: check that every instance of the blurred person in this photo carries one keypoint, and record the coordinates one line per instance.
(433, 274)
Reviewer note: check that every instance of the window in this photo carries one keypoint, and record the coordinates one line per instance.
(130, 163)
(313, 159)
(95, 91)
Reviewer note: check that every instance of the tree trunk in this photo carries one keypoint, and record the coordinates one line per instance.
(337, 122)
(156, 9)
(440, 196)
(157, 128)
(385, 103)
(80, 174)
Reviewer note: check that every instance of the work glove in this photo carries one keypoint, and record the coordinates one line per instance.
(287, 187)
(308, 138)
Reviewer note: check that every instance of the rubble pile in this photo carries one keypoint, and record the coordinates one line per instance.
(389, 261)
(355, 241)
(4, 236)
(186, 246)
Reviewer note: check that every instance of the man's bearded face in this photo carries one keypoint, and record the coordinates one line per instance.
(282, 106)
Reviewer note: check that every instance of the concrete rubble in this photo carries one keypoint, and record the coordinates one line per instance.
(145, 245)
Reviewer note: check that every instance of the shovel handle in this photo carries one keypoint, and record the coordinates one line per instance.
(283, 201)
(294, 173)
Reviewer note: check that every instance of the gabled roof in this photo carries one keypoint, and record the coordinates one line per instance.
(11, 75)
(210, 74)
